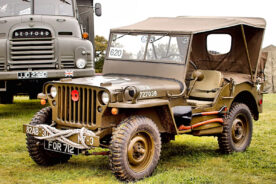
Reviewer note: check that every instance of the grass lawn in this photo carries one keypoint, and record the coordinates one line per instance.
(186, 160)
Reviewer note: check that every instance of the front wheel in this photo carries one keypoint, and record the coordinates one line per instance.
(135, 148)
(237, 130)
(36, 147)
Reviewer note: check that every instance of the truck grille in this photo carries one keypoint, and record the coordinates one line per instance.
(32, 52)
(67, 62)
(81, 112)
(2, 64)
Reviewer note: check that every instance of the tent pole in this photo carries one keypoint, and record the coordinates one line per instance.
(247, 52)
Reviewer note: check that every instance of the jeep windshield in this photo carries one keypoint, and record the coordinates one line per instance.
(10, 8)
(145, 47)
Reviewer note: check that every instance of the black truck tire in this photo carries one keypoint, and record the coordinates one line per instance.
(237, 129)
(33, 96)
(6, 98)
(36, 147)
(135, 148)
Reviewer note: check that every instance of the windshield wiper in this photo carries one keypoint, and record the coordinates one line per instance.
(64, 1)
(27, 1)
(158, 38)
(119, 37)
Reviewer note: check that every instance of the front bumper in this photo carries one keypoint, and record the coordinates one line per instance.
(51, 74)
(36, 131)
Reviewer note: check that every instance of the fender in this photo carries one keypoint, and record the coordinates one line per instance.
(164, 116)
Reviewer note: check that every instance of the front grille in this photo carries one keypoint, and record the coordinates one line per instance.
(2, 64)
(81, 112)
(67, 62)
(32, 52)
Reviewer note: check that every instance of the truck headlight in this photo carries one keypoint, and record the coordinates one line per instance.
(53, 91)
(105, 98)
(81, 63)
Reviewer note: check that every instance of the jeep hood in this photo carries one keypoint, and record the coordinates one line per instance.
(116, 82)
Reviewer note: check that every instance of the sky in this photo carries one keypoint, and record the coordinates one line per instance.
(117, 13)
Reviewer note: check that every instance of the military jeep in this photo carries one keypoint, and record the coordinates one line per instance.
(161, 79)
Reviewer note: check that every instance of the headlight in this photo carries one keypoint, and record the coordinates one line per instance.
(81, 63)
(53, 91)
(105, 98)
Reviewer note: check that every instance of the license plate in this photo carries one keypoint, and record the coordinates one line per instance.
(60, 147)
(32, 75)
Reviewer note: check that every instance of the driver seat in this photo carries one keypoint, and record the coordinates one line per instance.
(205, 91)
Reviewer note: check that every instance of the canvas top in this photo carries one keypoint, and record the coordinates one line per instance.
(190, 25)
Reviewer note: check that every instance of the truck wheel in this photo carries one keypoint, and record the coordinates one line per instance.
(135, 148)
(6, 98)
(237, 129)
(33, 96)
(36, 147)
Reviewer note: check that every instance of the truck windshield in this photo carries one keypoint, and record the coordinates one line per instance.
(53, 7)
(41, 7)
(159, 48)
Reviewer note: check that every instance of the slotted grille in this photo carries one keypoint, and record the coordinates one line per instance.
(2, 64)
(81, 112)
(67, 62)
(32, 52)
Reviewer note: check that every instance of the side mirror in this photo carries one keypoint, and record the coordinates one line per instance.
(98, 9)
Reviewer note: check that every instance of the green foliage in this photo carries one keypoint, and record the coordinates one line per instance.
(187, 160)
(100, 46)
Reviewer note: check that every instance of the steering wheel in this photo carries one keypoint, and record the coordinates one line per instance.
(193, 64)
(195, 67)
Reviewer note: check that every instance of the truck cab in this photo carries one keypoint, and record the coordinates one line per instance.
(42, 41)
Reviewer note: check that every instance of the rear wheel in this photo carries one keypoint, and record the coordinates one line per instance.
(135, 148)
(237, 130)
(36, 147)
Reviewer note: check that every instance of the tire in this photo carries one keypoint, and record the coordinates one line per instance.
(135, 148)
(237, 130)
(6, 98)
(33, 96)
(36, 147)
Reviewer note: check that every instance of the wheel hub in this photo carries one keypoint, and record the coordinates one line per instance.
(140, 151)
(137, 150)
(238, 130)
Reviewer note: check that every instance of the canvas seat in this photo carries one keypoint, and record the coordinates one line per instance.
(205, 91)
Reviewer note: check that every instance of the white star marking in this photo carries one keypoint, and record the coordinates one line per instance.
(258, 87)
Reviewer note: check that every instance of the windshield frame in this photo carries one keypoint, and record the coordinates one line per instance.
(144, 60)
(32, 11)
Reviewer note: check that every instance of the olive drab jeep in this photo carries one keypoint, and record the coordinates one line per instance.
(161, 78)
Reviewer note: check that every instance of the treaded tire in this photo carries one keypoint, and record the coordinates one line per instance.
(126, 145)
(237, 129)
(36, 147)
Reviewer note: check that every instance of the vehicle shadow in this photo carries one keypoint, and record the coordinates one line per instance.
(196, 153)
(187, 150)
(90, 162)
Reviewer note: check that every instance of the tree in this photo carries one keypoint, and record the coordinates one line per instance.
(100, 46)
